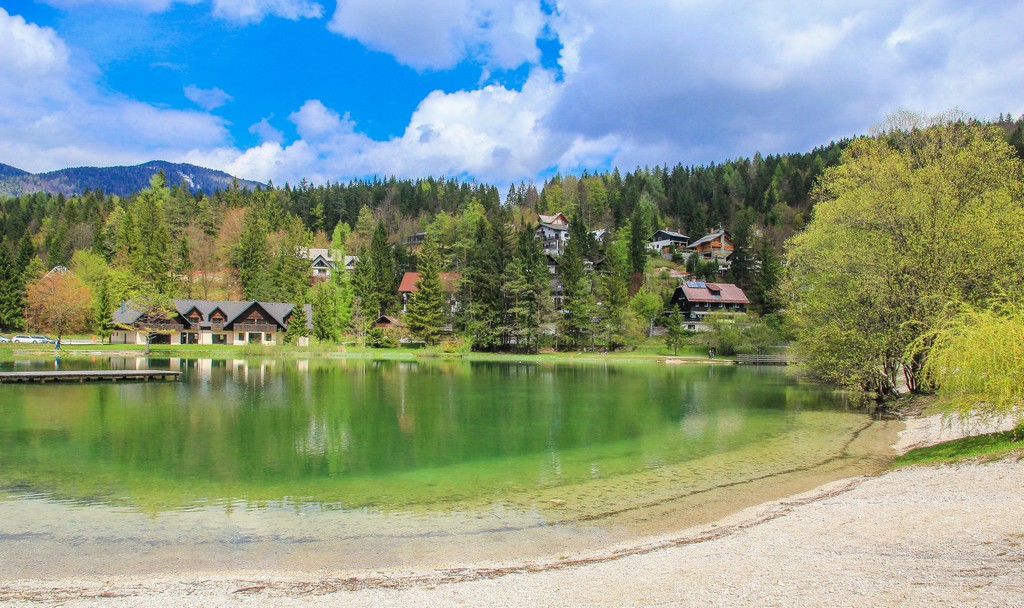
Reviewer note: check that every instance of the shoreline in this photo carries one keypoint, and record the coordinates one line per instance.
(923, 535)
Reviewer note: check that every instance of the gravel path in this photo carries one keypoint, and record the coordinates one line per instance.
(927, 536)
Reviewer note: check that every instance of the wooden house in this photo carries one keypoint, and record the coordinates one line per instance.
(208, 322)
(695, 299)
(717, 246)
(663, 241)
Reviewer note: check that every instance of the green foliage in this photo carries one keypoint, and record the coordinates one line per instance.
(11, 301)
(676, 333)
(377, 337)
(426, 309)
(613, 294)
(909, 223)
(326, 326)
(296, 324)
(384, 276)
(251, 257)
(726, 335)
(976, 360)
(527, 292)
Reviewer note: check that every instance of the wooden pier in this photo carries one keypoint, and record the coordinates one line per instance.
(762, 360)
(104, 375)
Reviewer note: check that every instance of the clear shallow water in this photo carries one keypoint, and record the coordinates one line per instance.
(340, 464)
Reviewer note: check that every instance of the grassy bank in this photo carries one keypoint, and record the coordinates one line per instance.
(983, 448)
(650, 351)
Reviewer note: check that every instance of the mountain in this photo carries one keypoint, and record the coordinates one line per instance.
(122, 181)
(7, 172)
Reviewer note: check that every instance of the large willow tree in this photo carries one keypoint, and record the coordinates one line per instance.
(909, 224)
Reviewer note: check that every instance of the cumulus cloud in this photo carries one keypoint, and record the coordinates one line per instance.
(242, 11)
(702, 82)
(439, 35)
(51, 117)
(207, 99)
(250, 11)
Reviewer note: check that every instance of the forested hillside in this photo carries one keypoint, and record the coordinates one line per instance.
(249, 242)
(122, 181)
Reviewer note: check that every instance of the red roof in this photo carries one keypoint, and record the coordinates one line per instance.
(449, 282)
(727, 293)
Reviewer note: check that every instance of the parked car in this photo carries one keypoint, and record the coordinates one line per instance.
(23, 339)
(4, 339)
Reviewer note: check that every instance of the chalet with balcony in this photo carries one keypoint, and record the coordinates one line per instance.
(663, 241)
(322, 263)
(553, 231)
(696, 299)
(717, 246)
(208, 322)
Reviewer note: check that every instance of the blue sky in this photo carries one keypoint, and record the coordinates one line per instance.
(495, 90)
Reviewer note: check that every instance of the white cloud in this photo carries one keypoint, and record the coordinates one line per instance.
(241, 11)
(250, 11)
(51, 117)
(266, 131)
(439, 35)
(207, 99)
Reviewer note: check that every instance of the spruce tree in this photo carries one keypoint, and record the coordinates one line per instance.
(325, 313)
(251, 258)
(426, 310)
(613, 291)
(382, 260)
(296, 324)
(576, 322)
(11, 307)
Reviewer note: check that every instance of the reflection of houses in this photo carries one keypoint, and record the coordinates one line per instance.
(695, 299)
(553, 231)
(208, 322)
(322, 263)
(716, 246)
(663, 241)
(449, 284)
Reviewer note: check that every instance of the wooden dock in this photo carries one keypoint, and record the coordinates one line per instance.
(762, 360)
(104, 375)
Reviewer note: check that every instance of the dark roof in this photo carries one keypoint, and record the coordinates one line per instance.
(668, 233)
(232, 310)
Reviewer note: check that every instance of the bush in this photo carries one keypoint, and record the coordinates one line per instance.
(377, 337)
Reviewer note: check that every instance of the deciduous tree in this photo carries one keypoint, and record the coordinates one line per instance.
(58, 302)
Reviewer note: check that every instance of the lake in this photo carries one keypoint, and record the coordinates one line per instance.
(337, 464)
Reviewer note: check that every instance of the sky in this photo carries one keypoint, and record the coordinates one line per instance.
(500, 91)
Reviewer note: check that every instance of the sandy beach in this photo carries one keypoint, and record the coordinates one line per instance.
(922, 536)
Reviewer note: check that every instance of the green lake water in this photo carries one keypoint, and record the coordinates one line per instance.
(332, 464)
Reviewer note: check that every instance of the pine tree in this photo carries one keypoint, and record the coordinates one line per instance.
(426, 310)
(104, 308)
(578, 299)
(296, 324)
(613, 292)
(251, 258)
(11, 306)
(325, 313)
(527, 291)
(152, 258)
(341, 279)
(382, 260)
(482, 290)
